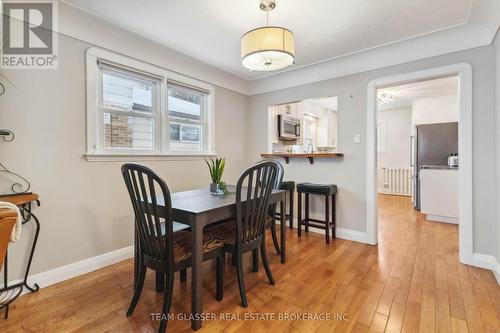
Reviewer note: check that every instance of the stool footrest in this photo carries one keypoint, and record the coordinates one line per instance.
(316, 224)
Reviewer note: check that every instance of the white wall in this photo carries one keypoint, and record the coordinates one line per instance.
(85, 209)
(398, 132)
(443, 109)
(497, 94)
(349, 173)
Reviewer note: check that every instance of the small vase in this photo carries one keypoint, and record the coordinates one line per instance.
(216, 188)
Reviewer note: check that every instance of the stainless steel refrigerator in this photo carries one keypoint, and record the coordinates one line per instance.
(431, 145)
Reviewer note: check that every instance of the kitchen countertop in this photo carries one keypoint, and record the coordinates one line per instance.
(437, 167)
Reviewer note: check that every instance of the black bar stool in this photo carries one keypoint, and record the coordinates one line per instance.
(288, 186)
(328, 191)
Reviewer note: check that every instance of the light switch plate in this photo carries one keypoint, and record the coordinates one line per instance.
(357, 138)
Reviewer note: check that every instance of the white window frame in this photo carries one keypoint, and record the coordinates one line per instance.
(95, 148)
(205, 116)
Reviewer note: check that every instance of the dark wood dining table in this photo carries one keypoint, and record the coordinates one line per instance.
(199, 208)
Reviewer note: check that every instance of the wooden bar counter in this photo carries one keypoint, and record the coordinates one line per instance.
(310, 156)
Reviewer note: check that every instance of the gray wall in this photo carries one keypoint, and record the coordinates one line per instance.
(85, 210)
(496, 45)
(349, 173)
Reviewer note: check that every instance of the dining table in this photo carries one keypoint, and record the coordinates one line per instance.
(199, 208)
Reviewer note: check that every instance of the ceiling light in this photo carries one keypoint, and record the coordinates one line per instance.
(267, 48)
(386, 98)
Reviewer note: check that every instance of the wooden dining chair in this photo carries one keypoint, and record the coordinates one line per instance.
(246, 232)
(272, 208)
(160, 249)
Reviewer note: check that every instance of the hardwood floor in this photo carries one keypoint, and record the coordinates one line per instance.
(411, 282)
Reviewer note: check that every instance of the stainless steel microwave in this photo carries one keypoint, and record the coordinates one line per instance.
(288, 128)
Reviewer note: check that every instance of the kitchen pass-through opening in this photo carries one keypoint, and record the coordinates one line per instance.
(464, 186)
(417, 148)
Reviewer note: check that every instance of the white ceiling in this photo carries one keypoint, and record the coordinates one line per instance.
(325, 29)
(407, 93)
(329, 103)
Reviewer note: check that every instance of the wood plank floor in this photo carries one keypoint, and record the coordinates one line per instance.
(411, 282)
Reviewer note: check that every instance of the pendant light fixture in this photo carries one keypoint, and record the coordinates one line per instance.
(267, 48)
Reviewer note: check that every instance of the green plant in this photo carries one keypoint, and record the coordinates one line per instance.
(216, 168)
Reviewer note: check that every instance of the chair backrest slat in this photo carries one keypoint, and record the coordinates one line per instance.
(251, 213)
(133, 188)
(281, 172)
(142, 184)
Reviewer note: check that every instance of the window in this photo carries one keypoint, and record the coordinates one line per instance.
(186, 114)
(134, 108)
(309, 131)
(128, 111)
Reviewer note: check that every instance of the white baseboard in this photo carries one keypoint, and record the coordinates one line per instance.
(488, 262)
(347, 234)
(443, 219)
(69, 271)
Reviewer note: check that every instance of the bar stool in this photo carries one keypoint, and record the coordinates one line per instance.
(288, 186)
(326, 190)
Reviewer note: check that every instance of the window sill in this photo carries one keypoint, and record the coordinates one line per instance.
(145, 157)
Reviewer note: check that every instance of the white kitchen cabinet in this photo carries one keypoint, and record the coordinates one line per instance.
(290, 110)
(439, 194)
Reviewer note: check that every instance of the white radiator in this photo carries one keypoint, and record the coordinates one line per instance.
(397, 181)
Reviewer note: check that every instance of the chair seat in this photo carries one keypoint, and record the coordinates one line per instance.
(182, 244)
(226, 232)
(317, 188)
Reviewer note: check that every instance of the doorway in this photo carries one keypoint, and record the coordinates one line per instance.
(464, 74)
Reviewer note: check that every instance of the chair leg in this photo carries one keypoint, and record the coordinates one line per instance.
(291, 208)
(307, 213)
(183, 275)
(327, 219)
(334, 217)
(219, 287)
(137, 290)
(167, 300)
(265, 262)
(233, 259)
(160, 282)
(241, 282)
(275, 237)
(299, 214)
(255, 260)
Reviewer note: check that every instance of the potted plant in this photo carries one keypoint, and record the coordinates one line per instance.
(216, 168)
